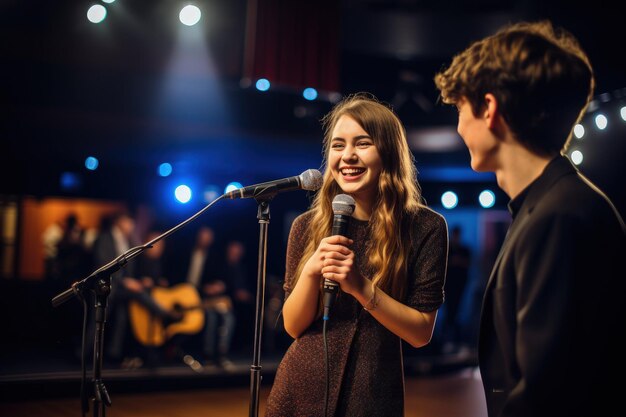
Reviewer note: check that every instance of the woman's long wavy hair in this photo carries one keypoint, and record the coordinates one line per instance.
(398, 193)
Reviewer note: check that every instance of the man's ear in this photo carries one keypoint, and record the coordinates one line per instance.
(491, 112)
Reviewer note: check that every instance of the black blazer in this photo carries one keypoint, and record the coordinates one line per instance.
(553, 310)
(211, 268)
(104, 251)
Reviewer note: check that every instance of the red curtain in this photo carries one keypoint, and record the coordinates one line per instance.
(294, 43)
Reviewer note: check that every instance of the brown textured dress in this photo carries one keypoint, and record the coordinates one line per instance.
(365, 359)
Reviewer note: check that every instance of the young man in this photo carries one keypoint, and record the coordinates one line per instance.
(112, 242)
(553, 307)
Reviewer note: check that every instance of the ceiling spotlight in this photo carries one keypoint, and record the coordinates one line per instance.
(190, 15)
(96, 13)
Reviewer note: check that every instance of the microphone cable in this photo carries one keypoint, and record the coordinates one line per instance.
(343, 206)
(326, 363)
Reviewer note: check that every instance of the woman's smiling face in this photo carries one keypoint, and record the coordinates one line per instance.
(353, 159)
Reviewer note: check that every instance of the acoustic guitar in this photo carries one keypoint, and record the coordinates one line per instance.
(184, 297)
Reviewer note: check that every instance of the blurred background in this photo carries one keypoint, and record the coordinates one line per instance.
(155, 109)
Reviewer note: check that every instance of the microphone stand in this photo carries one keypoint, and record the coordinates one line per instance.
(263, 215)
(101, 397)
(100, 282)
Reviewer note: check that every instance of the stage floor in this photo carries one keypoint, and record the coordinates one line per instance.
(454, 394)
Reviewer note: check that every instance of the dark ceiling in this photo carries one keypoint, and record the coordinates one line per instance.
(72, 89)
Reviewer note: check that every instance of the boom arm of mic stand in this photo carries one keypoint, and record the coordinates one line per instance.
(100, 281)
(77, 287)
(106, 270)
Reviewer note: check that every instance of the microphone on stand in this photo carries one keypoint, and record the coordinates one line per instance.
(343, 207)
(311, 180)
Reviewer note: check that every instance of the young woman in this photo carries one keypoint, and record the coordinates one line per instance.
(390, 268)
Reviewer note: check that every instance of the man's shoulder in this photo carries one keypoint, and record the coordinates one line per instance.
(574, 205)
(578, 196)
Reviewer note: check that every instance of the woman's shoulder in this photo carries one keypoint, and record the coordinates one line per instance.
(301, 222)
(303, 219)
(426, 218)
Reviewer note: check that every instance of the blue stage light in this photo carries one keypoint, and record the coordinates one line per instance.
(487, 198)
(309, 93)
(262, 84)
(183, 193)
(232, 186)
(91, 163)
(70, 181)
(449, 200)
(165, 169)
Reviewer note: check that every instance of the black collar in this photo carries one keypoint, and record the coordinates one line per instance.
(531, 195)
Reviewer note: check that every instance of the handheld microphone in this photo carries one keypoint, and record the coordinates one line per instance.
(343, 207)
(311, 180)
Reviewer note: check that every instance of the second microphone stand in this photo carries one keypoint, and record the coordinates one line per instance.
(100, 283)
(100, 398)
